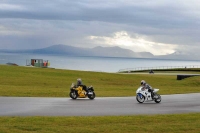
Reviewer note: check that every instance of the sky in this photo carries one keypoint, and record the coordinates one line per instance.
(157, 26)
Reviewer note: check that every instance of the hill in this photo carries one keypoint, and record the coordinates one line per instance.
(114, 51)
(78, 51)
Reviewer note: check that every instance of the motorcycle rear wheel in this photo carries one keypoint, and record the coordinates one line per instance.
(140, 99)
(158, 100)
(73, 95)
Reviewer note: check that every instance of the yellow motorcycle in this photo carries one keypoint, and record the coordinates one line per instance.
(81, 91)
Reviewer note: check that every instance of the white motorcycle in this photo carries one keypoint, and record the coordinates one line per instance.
(145, 95)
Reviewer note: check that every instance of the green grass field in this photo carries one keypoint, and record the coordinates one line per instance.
(181, 123)
(44, 82)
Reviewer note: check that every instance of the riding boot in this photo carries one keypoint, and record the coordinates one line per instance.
(152, 95)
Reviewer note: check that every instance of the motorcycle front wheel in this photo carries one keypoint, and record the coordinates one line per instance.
(73, 95)
(140, 98)
(91, 96)
(158, 99)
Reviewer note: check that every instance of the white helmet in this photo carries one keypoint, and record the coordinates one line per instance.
(143, 82)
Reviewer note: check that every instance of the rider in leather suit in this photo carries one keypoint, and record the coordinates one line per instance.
(147, 86)
(80, 83)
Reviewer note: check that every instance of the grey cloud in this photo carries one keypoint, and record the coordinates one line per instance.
(94, 10)
(66, 21)
(158, 16)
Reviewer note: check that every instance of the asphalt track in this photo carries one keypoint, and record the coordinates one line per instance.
(104, 106)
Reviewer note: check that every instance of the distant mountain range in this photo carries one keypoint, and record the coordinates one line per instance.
(98, 51)
(77, 51)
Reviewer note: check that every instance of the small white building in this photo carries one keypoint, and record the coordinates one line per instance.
(38, 63)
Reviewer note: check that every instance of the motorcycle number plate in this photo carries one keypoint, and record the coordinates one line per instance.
(90, 93)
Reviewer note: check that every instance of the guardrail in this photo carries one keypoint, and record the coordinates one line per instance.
(156, 68)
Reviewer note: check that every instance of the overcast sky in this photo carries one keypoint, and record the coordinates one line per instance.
(157, 26)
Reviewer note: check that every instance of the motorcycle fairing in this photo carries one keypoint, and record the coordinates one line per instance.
(81, 92)
(140, 95)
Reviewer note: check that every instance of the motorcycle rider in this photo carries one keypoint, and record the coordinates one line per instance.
(147, 86)
(80, 83)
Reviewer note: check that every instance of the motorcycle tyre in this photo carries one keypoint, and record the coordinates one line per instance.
(157, 100)
(140, 98)
(71, 95)
(91, 96)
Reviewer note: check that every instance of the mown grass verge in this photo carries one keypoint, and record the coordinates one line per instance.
(46, 82)
(180, 123)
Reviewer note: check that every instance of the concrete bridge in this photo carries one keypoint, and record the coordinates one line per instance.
(157, 68)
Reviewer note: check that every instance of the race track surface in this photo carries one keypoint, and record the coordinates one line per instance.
(104, 106)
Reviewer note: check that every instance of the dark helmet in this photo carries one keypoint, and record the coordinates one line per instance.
(143, 82)
(79, 81)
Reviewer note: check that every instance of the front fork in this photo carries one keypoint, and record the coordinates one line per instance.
(140, 95)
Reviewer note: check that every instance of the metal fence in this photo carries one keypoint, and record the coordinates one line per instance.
(157, 68)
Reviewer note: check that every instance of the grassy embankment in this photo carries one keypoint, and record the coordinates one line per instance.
(37, 82)
(42, 82)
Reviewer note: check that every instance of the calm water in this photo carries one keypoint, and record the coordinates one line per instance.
(102, 64)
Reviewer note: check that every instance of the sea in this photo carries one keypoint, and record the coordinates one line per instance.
(98, 64)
